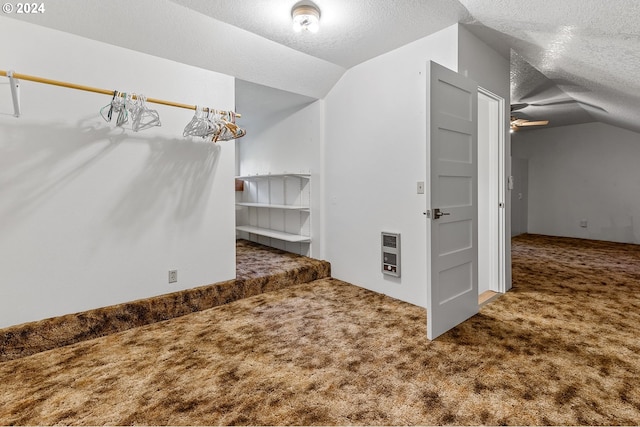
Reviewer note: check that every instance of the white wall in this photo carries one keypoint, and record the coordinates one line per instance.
(375, 152)
(93, 215)
(519, 196)
(588, 171)
(288, 142)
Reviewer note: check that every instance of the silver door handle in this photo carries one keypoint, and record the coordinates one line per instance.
(437, 213)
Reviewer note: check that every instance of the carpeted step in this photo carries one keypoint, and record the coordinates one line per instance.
(258, 269)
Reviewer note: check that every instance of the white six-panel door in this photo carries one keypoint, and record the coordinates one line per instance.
(452, 288)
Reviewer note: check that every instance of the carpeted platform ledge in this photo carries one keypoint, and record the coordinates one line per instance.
(259, 269)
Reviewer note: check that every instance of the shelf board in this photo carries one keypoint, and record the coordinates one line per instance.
(266, 205)
(288, 237)
(275, 175)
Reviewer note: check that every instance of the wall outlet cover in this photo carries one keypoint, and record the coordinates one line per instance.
(173, 276)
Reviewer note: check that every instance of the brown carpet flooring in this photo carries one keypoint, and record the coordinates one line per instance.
(563, 347)
(258, 269)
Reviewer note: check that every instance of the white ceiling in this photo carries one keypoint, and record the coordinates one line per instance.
(588, 49)
(352, 31)
(565, 51)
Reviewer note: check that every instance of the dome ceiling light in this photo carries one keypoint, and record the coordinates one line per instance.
(306, 17)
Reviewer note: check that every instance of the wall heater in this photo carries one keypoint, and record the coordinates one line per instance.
(391, 254)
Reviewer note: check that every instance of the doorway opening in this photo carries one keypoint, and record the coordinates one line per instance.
(491, 195)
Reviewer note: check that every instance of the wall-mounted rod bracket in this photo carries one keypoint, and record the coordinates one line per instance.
(15, 92)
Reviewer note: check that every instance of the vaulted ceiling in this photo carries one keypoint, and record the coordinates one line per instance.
(572, 61)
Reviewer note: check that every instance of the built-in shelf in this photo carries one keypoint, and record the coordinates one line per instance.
(287, 237)
(275, 175)
(272, 206)
(274, 209)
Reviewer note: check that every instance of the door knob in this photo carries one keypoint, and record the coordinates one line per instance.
(437, 213)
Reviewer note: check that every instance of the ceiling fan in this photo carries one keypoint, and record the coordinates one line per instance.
(521, 105)
(517, 123)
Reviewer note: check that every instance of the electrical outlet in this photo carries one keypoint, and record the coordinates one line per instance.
(420, 187)
(173, 276)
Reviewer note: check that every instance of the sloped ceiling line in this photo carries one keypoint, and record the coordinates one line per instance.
(588, 49)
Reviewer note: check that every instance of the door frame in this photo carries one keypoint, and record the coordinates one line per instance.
(498, 213)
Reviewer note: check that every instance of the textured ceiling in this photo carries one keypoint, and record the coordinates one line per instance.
(351, 31)
(168, 30)
(573, 61)
(588, 49)
(563, 51)
(536, 97)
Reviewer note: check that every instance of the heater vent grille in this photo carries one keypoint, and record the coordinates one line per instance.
(390, 254)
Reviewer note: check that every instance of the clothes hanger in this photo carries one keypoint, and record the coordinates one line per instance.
(120, 107)
(132, 104)
(107, 111)
(214, 125)
(145, 117)
(198, 125)
(229, 129)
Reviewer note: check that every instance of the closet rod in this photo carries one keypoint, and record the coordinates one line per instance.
(96, 90)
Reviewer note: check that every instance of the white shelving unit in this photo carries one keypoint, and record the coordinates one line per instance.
(264, 205)
(287, 237)
(275, 210)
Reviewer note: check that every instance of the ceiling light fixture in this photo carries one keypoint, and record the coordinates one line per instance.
(305, 17)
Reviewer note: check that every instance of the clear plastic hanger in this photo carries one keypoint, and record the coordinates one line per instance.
(229, 129)
(142, 117)
(213, 125)
(119, 106)
(107, 111)
(198, 125)
(132, 104)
